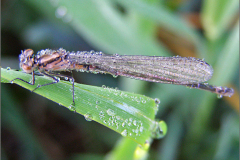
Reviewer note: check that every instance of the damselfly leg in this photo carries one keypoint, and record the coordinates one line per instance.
(52, 76)
(33, 79)
(70, 78)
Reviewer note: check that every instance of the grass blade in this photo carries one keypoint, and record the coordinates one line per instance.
(129, 114)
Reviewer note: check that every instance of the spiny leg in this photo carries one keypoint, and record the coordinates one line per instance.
(71, 80)
(48, 75)
(33, 79)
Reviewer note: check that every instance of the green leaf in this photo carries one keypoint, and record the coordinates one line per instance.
(228, 59)
(128, 150)
(129, 114)
(164, 18)
(102, 25)
(217, 16)
(124, 149)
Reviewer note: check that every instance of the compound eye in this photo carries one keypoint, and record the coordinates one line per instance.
(26, 68)
(28, 53)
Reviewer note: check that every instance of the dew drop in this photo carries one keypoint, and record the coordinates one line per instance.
(124, 133)
(110, 112)
(115, 76)
(219, 96)
(134, 122)
(101, 114)
(136, 130)
(103, 86)
(72, 107)
(8, 68)
(88, 117)
(61, 12)
(143, 101)
(157, 101)
(159, 129)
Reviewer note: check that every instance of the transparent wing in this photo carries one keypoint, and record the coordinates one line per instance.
(176, 70)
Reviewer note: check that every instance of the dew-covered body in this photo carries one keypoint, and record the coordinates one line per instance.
(188, 71)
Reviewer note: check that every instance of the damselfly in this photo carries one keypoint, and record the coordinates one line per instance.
(190, 72)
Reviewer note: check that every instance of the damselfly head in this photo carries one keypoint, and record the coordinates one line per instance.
(26, 59)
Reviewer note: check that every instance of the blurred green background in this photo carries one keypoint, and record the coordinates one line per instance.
(200, 126)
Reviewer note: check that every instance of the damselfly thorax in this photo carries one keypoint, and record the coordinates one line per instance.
(46, 61)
